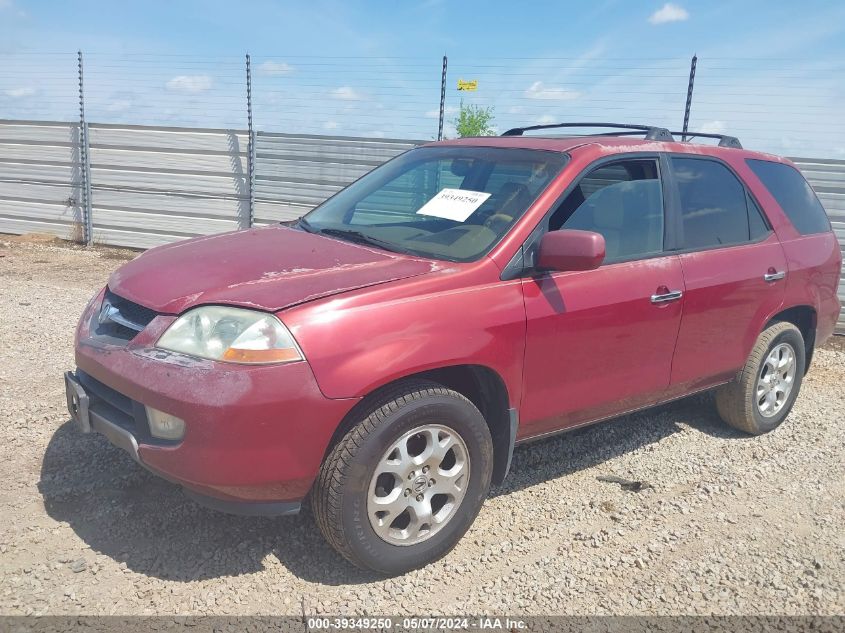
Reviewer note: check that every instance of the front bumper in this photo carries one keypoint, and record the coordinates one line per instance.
(99, 420)
(255, 435)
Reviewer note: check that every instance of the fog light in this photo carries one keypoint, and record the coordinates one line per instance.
(165, 426)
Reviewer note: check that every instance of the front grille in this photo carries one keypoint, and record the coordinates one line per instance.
(113, 405)
(121, 318)
(134, 312)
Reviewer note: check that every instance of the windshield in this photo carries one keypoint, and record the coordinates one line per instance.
(452, 203)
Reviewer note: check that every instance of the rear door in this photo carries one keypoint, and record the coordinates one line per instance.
(600, 342)
(734, 271)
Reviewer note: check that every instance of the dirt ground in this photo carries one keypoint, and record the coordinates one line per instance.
(730, 525)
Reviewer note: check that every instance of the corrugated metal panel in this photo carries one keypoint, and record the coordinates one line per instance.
(152, 186)
(827, 176)
(40, 178)
(295, 173)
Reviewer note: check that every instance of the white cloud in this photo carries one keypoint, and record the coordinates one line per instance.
(547, 119)
(669, 12)
(347, 93)
(190, 84)
(8, 5)
(19, 93)
(712, 127)
(538, 90)
(271, 67)
(447, 111)
(119, 105)
(330, 125)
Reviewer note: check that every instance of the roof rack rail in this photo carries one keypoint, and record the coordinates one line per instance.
(724, 139)
(651, 132)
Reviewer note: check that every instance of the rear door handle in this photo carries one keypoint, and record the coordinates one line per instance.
(672, 295)
(774, 275)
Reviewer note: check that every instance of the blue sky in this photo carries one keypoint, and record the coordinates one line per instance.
(771, 72)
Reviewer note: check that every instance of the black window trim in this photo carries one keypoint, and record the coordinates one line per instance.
(517, 267)
(678, 215)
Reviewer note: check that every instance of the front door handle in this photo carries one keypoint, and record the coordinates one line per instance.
(672, 295)
(774, 275)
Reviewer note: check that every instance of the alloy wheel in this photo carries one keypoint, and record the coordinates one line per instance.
(775, 380)
(418, 485)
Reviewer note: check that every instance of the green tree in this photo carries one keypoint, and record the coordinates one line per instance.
(474, 120)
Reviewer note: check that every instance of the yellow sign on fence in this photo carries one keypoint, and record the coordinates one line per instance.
(472, 84)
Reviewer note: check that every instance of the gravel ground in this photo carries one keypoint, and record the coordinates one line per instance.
(731, 524)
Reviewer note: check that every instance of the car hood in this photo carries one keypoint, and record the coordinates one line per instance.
(269, 268)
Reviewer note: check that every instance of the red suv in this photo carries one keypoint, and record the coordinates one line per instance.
(385, 353)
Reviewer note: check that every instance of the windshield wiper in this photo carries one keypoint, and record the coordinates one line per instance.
(361, 238)
(303, 224)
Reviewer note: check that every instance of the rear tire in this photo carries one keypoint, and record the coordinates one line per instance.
(373, 501)
(761, 396)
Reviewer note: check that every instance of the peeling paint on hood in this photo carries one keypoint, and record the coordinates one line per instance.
(269, 269)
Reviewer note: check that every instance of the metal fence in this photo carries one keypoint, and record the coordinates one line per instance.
(152, 186)
(41, 183)
(788, 106)
(294, 173)
(828, 179)
(155, 185)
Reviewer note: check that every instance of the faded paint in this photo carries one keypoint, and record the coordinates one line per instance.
(244, 269)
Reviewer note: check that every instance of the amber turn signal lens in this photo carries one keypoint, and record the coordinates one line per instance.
(261, 355)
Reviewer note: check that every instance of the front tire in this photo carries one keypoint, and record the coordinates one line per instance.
(405, 483)
(762, 395)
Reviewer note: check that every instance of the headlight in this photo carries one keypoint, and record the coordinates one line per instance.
(231, 334)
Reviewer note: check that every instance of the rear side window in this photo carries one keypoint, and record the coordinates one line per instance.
(793, 194)
(715, 208)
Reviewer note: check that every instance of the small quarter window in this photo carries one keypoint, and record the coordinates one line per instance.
(794, 195)
(757, 226)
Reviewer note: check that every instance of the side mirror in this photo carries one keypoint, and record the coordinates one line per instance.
(571, 250)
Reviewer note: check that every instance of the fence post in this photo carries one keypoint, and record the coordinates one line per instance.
(85, 167)
(250, 155)
(693, 61)
(442, 99)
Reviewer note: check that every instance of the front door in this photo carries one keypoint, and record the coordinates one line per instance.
(600, 342)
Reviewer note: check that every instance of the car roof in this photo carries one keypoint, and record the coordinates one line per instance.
(603, 144)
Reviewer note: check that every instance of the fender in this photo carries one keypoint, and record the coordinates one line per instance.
(814, 263)
(359, 341)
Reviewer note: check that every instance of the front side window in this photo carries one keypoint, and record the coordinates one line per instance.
(793, 194)
(624, 202)
(715, 208)
(452, 203)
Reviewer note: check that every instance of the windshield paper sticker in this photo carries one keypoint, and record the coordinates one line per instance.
(454, 204)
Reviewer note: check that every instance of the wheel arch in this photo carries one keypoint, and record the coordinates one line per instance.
(805, 318)
(481, 385)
